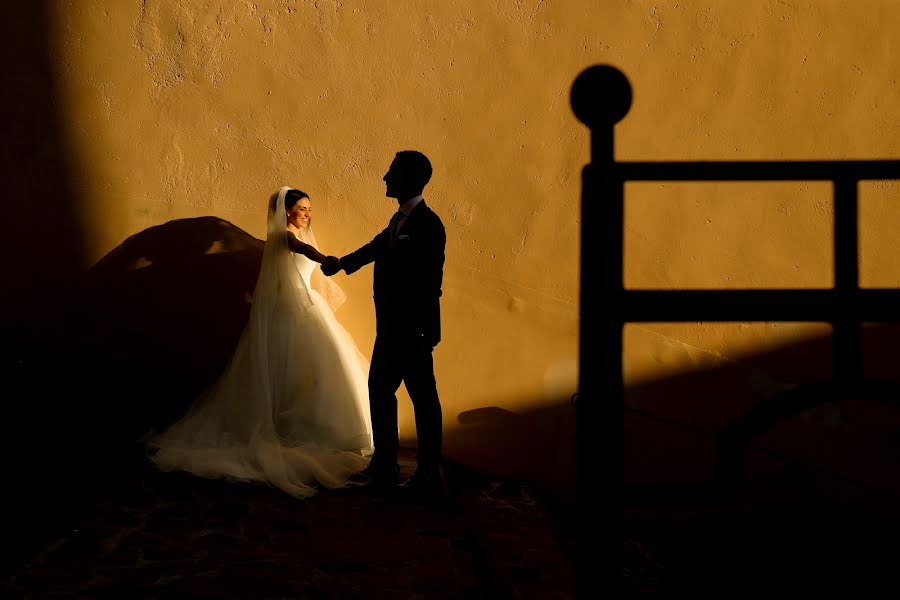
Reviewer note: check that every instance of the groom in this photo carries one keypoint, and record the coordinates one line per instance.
(409, 266)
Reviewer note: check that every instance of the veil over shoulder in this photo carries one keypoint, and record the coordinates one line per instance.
(291, 408)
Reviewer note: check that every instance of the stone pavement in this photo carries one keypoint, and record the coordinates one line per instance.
(172, 535)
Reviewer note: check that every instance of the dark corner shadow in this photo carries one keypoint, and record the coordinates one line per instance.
(42, 243)
(41, 246)
(534, 446)
(136, 339)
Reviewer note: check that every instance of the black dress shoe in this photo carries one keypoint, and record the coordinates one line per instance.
(375, 468)
(377, 477)
(426, 482)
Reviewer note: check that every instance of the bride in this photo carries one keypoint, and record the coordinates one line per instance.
(291, 409)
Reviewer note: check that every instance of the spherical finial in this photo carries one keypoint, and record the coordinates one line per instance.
(601, 96)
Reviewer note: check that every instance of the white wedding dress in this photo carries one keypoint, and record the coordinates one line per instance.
(291, 409)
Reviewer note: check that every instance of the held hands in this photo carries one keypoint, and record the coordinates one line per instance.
(331, 265)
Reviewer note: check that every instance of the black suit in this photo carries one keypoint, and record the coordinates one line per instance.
(409, 269)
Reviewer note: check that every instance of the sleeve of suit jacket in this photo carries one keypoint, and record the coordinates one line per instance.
(363, 256)
(426, 308)
(435, 256)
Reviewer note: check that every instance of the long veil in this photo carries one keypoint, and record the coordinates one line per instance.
(325, 286)
(275, 414)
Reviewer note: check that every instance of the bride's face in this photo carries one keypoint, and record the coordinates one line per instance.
(299, 214)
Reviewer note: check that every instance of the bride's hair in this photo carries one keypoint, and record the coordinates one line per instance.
(292, 197)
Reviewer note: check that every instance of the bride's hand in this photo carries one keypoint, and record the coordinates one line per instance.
(331, 265)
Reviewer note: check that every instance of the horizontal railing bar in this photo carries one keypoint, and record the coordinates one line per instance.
(822, 305)
(754, 170)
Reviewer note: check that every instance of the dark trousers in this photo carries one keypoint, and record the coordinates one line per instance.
(404, 358)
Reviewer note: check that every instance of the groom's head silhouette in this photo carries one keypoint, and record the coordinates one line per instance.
(409, 173)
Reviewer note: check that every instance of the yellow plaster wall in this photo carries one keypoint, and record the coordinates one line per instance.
(182, 108)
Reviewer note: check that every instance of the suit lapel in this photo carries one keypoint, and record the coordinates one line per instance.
(413, 216)
(408, 225)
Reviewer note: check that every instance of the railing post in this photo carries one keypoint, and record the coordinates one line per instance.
(601, 97)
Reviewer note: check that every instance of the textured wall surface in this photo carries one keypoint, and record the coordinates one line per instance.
(184, 108)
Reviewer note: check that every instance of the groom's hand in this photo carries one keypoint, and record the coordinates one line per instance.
(331, 265)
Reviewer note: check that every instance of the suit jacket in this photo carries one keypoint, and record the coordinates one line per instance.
(408, 275)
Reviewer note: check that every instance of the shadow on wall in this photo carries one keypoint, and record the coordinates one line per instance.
(127, 348)
(42, 243)
(844, 453)
(820, 500)
(846, 449)
(155, 321)
(536, 446)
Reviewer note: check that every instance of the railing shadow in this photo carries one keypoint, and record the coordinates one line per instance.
(601, 97)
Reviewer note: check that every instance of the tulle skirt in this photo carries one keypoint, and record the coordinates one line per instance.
(291, 409)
